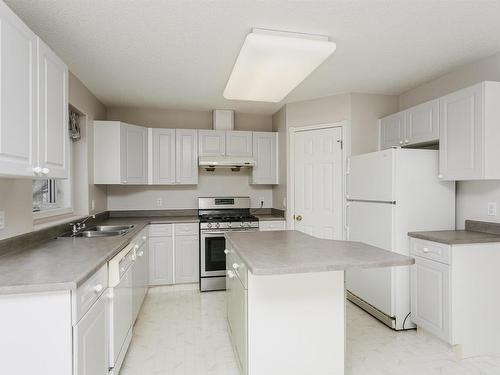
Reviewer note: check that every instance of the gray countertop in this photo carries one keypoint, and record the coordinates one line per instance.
(288, 252)
(456, 237)
(269, 217)
(65, 263)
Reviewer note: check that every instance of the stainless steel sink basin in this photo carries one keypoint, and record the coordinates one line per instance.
(112, 228)
(100, 231)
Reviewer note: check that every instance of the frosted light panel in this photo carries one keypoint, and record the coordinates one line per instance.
(273, 63)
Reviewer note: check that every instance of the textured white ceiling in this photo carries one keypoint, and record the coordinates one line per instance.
(179, 53)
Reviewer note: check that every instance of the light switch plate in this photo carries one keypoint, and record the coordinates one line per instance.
(492, 209)
(2, 220)
(159, 202)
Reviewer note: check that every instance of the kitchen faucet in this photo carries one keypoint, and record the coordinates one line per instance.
(76, 227)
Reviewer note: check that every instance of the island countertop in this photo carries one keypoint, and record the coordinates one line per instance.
(288, 252)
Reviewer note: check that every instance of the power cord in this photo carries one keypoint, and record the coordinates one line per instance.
(404, 321)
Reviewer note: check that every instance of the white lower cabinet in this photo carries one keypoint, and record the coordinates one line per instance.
(173, 254)
(430, 298)
(186, 259)
(90, 342)
(453, 289)
(161, 260)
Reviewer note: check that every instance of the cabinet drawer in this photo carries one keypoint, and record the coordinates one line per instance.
(85, 296)
(235, 264)
(160, 230)
(186, 229)
(272, 225)
(431, 250)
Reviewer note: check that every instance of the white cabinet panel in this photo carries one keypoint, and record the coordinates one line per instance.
(430, 297)
(239, 143)
(186, 259)
(265, 152)
(163, 156)
(461, 134)
(392, 130)
(161, 267)
(134, 155)
(90, 342)
(422, 123)
(212, 142)
(18, 96)
(53, 140)
(186, 156)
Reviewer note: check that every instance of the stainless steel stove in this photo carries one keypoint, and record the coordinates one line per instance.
(218, 216)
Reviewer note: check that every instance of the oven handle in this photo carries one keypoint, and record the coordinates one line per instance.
(212, 233)
(206, 233)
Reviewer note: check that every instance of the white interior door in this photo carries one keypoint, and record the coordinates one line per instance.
(318, 182)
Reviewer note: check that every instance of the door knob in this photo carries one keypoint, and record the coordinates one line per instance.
(298, 218)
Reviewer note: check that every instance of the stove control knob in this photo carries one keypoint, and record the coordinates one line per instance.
(242, 224)
(209, 225)
(229, 225)
(217, 225)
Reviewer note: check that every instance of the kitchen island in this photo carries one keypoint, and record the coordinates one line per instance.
(286, 299)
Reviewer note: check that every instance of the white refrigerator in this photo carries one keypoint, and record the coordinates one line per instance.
(390, 193)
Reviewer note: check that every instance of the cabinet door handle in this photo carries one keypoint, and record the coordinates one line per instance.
(141, 253)
(230, 274)
(45, 171)
(440, 176)
(400, 142)
(226, 251)
(98, 288)
(407, 141)
(236, 266)
(298, 218)
(37, 170)
(425, 250)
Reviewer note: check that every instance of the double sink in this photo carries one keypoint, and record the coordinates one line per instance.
(100, 231)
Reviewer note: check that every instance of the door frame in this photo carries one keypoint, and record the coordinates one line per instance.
(290, 186)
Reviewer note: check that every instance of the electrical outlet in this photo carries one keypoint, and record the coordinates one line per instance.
(492, 209)
(261, 201)
(2, 220)
(159, 202)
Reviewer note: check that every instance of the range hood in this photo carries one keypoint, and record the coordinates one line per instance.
(210, 163)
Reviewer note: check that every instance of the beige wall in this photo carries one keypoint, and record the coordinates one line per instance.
(361, 111)
(16, 202)
(83, 151)
(487, 69)
(472, 196)
(366, 109)
(222, 182)
(172, 118)
(279, 125)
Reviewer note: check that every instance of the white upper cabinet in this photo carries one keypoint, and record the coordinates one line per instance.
(392, 131)
(265, 152)
(239, 143)
(422, 123)
(163, 156)
(134, 155)
(416, 125)
(186, 170)
(18, 97)
(33, 104)
(120, 153)
(212, 142)
(53, 140)
(469, 133)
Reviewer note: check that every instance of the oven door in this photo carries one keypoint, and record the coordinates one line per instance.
(213, 259)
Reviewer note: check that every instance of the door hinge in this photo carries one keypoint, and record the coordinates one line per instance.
(341, 144)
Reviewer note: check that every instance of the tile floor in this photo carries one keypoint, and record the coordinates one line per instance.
(182, 331)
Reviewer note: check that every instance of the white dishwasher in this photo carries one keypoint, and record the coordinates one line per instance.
(120, 309)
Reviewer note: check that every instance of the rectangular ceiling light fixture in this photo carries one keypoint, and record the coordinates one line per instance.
(272, 63)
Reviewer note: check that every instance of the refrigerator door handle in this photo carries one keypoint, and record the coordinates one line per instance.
(370, 201)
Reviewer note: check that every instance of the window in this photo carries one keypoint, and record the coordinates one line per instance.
(49, 195)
